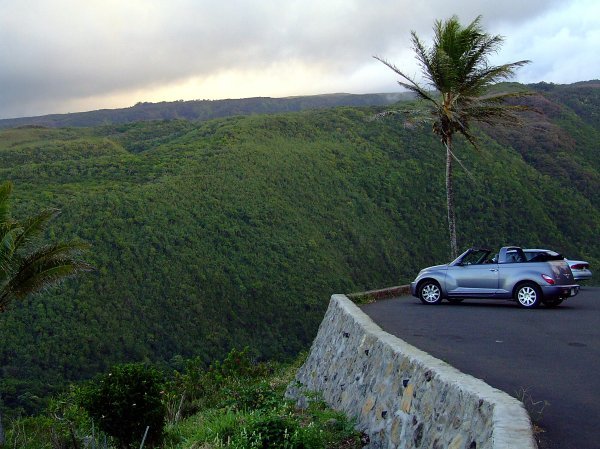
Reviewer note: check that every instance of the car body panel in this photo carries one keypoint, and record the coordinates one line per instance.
(583, 274)
(480, 273)
(471, 280)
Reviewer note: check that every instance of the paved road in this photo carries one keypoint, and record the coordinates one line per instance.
(549, 358)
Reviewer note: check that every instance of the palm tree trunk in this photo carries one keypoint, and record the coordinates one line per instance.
(450, 199)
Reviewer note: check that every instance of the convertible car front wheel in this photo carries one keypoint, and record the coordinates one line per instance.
(528, 295)
(430, 292)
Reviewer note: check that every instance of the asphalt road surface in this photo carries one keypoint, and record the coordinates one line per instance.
(548, 358)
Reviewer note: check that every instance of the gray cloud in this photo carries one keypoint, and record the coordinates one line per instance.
(58, 53)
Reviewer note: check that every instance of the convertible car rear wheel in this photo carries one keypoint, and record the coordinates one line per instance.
(430, 292)
(528, 295)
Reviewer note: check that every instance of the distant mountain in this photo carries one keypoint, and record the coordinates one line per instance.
(204, 109)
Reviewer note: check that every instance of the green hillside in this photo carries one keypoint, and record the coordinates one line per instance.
(235, 231)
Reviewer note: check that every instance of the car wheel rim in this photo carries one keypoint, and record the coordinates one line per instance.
(527, 296)
(431, 293)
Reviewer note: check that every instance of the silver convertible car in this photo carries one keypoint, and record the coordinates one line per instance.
(482, 273)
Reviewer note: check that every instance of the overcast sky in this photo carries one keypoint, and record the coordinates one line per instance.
(76, 55)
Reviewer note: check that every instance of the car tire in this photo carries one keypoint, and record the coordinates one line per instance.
(430, 292)
(528, 295)
(553, 302)
(455, 300)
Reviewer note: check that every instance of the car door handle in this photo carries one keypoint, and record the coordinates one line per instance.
(493, 269)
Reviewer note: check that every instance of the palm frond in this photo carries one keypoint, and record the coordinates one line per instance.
(8, 237)
(43, 268)
(34, 226)
(479, 80)
(409, 84)
(430, 67)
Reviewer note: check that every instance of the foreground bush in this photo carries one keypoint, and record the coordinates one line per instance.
(126, 401)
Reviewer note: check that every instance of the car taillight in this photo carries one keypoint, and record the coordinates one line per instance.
(548, 279)
(579, 266)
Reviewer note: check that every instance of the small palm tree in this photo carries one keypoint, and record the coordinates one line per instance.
(26, 266)
(456, 67)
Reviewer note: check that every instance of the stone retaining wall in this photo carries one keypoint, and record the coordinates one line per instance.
(402, 397)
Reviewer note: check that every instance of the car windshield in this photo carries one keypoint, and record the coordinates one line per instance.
(476, 256)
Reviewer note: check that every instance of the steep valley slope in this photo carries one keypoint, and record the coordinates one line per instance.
(235, 231)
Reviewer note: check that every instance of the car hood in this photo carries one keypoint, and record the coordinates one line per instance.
(434, 267)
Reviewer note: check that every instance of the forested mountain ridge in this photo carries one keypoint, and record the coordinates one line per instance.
(204, 109)
(235, 231)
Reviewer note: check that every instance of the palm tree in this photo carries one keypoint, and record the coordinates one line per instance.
(456, 67)
(26, 267)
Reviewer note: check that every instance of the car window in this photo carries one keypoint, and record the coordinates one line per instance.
(515, 256)
(476, 257)
(543, 256)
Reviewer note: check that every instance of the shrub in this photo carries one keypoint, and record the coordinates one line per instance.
(237, 364)
(125, 401)
(63, 425)
(228, 383)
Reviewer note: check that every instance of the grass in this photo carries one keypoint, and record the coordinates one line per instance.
(252, 413)
(235, 403)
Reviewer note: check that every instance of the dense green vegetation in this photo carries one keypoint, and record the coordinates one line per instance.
(232, 232)
(235, 403)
